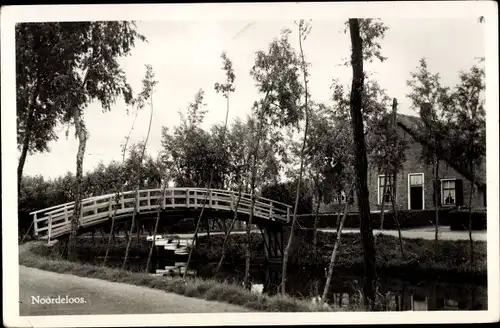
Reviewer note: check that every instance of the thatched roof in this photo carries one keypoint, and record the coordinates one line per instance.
(414, 125)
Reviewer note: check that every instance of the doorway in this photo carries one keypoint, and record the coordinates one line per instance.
(416, 191)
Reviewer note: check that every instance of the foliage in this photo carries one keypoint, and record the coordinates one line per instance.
(68, 64)
(276, 73)
(371, 30)
(185, 152)
(37, 60)
(387, 148)
(434, 101)
(50, 60)
(285, 192)
(228, 86)
(37, 193)
(426, 88)
(466, 118)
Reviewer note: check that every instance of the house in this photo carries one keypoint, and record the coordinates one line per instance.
(414, 183)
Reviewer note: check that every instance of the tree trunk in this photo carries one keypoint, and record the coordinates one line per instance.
(148, 263)
(470, 217)
(361, 165)
(224, 226)
(382, 211)
(112, 230)
(436, 204)
(335, 249)
(138, 231)
(395, 176)
(248, 251)
(138, 183)
(315, 229)
(119, 191)
(253, 176)
(208, 231)
(27, 133)
(130, 233)
(81, 133)
(226, 237)
(396, 219)
(198, 224)
(297, 194)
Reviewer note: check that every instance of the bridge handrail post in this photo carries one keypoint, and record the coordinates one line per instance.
(210, 196)
(271, 210)
(49, 230)
(288, 214)
(35, 224)
(81, 216)
(94, 203)
(164, 199)
(66, 217)
(149, 198)
(187, 197)
(110, 205)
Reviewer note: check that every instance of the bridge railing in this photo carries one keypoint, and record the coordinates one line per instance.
(55, 221)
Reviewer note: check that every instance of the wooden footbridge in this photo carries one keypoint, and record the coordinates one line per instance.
(55, 222)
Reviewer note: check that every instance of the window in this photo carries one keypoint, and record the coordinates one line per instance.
(416, 191)
(340, 197)
(448, 192)
(416, 180)
(388, 190)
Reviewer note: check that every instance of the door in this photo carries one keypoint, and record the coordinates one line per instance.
(416, 191)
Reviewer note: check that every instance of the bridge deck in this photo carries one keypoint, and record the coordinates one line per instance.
(55, 221)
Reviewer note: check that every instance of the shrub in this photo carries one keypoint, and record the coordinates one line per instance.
(407, 219)
(459, 220)
(183, 226)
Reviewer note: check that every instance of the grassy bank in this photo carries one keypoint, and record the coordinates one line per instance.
(192, 287)
(450, 263)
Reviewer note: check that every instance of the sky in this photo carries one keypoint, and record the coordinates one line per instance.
(185, 56)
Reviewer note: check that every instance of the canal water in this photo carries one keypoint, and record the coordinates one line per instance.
(398, 294)
(307, 283)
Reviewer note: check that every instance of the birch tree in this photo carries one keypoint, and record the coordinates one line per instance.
(468, 129)
(432, 100)
(276, 74)
(89, 71)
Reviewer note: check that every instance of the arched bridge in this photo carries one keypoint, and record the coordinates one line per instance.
(55, 221)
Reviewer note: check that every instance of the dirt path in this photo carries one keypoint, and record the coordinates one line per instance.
(103, 297)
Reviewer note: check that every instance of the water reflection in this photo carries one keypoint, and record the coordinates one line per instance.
(307, 283)
(345, 289)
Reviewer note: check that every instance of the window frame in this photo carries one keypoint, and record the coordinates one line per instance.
(442, 195)
(391, 179)
(423, 189)
(336, 196)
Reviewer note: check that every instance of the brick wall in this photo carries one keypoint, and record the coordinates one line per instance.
(413, 164)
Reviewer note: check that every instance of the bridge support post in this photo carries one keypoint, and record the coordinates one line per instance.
(273, 242)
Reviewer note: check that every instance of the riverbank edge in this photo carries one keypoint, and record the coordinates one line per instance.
(207, 289)
(419, 262)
